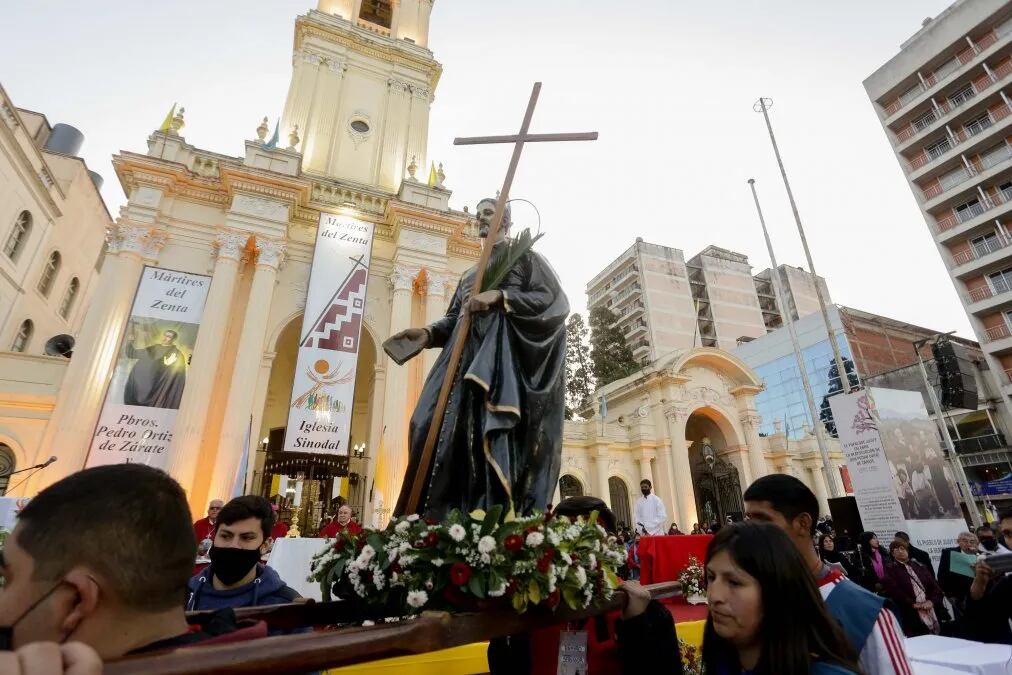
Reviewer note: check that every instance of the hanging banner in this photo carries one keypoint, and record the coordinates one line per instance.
(901, 479)
(319, 419)
(142, 401)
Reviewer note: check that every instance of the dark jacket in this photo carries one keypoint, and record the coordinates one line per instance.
(212, 629)
(987, 619)
(898, 587)
(953, 585)
(868, 578)
(266, 589)
(923, 557)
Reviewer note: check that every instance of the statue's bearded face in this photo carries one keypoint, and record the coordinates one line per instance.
(485, 211)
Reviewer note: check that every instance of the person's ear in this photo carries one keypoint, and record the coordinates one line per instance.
(266, 546)
(803, 525)
(80, 604)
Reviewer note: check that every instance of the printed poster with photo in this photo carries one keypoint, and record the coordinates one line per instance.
(319, 418)
(141, 403)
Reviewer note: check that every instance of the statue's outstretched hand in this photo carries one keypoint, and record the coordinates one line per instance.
(483, 302)
(413, 334)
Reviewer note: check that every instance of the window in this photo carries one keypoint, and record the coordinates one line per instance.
(911, 93)
(938, 149)
(619, 494)
(1006, 190)
(378, 12)
(361, 126)
(68, 298)
(994, 156)
(23, 336)
(7, 463)
(988, 243)
(944, 70)
(1001, 282)
(18, 236)
(978, 125)
(962, 96)
(970, 209)
(569, 486)
(953, 178)
(49, 273)
(924, 120)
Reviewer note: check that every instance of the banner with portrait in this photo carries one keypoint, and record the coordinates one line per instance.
(890, 430)
(149, 377)
(319, 417)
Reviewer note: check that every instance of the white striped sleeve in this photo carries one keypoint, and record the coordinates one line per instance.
(883, 652)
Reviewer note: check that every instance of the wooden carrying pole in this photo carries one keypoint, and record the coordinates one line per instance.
(425, 462)
(306, 652)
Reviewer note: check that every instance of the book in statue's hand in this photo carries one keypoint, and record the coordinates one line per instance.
(401, 348)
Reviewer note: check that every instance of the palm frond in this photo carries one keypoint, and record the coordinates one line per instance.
(506, 256)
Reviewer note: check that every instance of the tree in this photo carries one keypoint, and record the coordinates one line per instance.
(611, 356)
(579, 381)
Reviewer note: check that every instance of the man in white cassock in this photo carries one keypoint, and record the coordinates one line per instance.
(650, 513)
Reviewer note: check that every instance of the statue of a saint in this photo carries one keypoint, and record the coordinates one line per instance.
(501, 437)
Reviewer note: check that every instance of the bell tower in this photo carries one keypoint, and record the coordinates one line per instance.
(362, 85)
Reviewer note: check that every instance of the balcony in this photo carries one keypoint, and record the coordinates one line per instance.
(636, 329)
(979, 443)
(947, 182)
(972, 211)
(948, 144)
(934, 79)
(980, 250)
(999, 332)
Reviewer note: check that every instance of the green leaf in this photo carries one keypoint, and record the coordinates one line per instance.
(491, 520)
(519, 602)
(476, 586)
(569, 595)
(534, 591)
(504, 257)
(496, 580)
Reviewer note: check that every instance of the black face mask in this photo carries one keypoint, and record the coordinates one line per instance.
(989, 543)
(232, 564)
(7, 632)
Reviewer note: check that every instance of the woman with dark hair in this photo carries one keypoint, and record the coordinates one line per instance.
(874, 559)
(829, 555)
(766, 614)
(909, 584)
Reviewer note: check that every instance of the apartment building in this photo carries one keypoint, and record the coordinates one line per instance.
(943, 104)
(665, 303)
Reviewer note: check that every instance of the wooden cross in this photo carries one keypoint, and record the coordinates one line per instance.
(518, 141)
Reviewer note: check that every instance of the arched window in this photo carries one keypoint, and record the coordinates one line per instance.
(619, 497)
(7, 463)
(378, 12)
(18, 235)
(68, 298)
(23, 336)
(49, 273)
(570, 486)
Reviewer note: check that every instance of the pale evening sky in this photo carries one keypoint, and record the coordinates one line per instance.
(669, 84)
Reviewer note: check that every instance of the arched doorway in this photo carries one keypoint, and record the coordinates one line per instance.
(570, 486)
(312, 483)
(715, 477)
(7, 466)
(618, 493)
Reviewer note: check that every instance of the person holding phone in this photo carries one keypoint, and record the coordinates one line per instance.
(989, 602)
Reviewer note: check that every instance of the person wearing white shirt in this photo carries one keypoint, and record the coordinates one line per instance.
(650, 512)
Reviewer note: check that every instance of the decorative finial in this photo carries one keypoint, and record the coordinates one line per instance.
(262, 130)
(293, 138)
(177, 122)
(440, 176)
(412, 168)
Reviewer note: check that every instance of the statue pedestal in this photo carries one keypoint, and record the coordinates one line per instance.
(291, 558)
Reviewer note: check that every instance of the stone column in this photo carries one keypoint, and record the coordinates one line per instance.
(201, 376)
(395, 407)
(601, 470)
(372, 449)
(249, 353)
(819, 485)
(435, 308)
(646, 472)
(685, 495)
(750, 421)
(69, 432)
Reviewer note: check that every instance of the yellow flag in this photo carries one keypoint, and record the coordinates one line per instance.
(167, 124)
(433, 179)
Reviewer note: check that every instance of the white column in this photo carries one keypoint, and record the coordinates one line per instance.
(601, 470)
(646, 472)
(392, 161)
(685, 495)
(395, 408)
(372, 449)
(202, 374)
(750, 421)
(435, 308)
(69, 431)
(249, 353)
(819, 486)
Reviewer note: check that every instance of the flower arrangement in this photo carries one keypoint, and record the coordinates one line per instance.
(470, 561)
(692, 659)
(691, 579)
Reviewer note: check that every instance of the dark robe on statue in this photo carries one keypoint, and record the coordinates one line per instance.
(158, 377)
(501, 438)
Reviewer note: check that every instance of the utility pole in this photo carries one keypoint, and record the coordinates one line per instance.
(763, 105)
(820, 429)
(964, 484)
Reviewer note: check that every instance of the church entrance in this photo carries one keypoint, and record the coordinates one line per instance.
(715, 476)
(309, 487)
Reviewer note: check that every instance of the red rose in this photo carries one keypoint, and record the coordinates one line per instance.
(549, 553)
(513, 543)
(429, 521)
(453, 596)
(460, 573)
(544, 564)
(431, 539)
(553, 599)
(360, 543)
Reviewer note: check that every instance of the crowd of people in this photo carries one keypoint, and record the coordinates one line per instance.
(101, 565)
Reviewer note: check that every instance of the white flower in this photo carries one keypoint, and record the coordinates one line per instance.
(413, 517)
(437, 562)
(402, 527)
(404, 547)
(457, 532)
(377, 579)
(573, 532)
(497, 592)
(581, 576)
(417, 598)
(367, 554)
(567, 558)
(368, 623)
(535, 539)
(486, 559)
(553, 537)
(593, 562)
(551, 578)
(486, 544)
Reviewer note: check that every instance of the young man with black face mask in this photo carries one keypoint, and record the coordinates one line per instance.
(235, 577)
